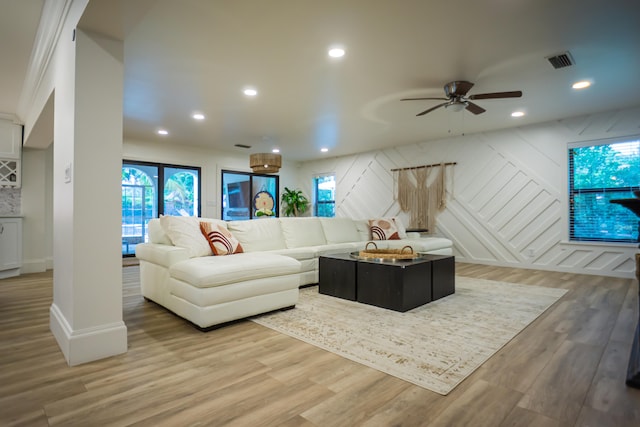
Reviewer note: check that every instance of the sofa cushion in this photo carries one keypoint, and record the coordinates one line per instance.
(363, 229)
(220, 239)
(301, 232)
(184, 232)
(336, 248)
(297, 253)
(256, 235)
(421, 244)
(164, 255)
(340, 230)
(205, 272)
(384, 229)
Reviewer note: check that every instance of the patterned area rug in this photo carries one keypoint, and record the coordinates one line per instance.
(435, 346)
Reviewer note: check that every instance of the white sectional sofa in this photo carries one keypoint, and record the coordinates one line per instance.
(179, 272)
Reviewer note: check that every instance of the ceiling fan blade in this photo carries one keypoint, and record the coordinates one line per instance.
(493, 95)
(475, 108)
(457, 88)
(431, 109)
(420, 99)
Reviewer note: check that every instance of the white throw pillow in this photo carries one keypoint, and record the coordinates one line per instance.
(402, 231)
(184, 232)
(156, 233)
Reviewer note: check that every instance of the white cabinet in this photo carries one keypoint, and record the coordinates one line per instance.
(10, 246)
(9, 173)
(10, 140)
(10, 153)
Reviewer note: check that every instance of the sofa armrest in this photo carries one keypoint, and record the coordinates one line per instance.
(164, 255)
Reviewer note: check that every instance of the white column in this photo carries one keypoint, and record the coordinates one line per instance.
(86, 314)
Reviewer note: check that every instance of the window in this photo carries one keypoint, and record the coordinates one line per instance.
(325, 195)
(248, 195)
(598, 173)
(152, 189)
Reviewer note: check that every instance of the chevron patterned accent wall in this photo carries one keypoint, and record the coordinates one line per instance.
(507, 201)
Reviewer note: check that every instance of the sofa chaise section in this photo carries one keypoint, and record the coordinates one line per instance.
(211, 290)
(217, 289)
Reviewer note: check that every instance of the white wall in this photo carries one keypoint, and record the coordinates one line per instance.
(509, 193)
(211, 163)
(37, 235)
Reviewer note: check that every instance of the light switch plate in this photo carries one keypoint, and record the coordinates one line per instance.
(67, 173)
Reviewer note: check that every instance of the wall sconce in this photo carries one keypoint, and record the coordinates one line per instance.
(265, 162)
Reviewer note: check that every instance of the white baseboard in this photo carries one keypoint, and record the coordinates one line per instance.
(12, 272)
(33, 266)
(86, 345)
(533, 266)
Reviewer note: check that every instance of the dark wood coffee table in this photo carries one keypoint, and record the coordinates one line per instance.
(396, 285)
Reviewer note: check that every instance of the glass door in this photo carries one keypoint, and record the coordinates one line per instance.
(248, 195)
(150, 190)
(181, 192)
(139, 204)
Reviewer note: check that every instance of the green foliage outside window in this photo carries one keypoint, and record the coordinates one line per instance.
(179, 194)
(325, 189)
(598, 174)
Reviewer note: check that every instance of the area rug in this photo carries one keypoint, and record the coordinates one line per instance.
(435, 346)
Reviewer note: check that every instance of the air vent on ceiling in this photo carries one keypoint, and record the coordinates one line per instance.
(242, 146)
(561, 60)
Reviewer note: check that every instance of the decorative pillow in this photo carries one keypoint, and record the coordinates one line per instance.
(383, 229)
(156, 233)
(184, 232)
(402, 231)
(220, 239)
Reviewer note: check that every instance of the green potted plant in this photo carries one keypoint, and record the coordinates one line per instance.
(294, 202)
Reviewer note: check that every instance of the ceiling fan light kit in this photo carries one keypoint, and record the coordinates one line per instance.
(456, 98)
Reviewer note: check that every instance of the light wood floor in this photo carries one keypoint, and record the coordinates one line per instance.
(566, 369)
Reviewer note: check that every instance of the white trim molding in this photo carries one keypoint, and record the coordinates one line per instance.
(52, 20)
(88, 344)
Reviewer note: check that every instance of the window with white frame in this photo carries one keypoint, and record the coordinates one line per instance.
(324, 189)
(601, 171)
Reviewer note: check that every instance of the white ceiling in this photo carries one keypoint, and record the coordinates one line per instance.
(197, 55)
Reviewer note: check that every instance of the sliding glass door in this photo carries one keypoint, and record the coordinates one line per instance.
(248, 195)
(152, 189)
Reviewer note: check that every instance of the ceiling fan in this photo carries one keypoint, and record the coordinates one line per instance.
(456, 97)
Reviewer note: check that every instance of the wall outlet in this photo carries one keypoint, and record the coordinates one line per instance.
(531, 253)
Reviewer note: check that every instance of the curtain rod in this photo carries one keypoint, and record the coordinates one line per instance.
(424, 166)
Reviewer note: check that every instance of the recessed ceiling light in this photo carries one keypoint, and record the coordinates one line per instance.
(324, 150)
(336, 52)
(517, 114)
(581, 85)
(250, 91)
(275, 150)
(198, 116)
(163, 132)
